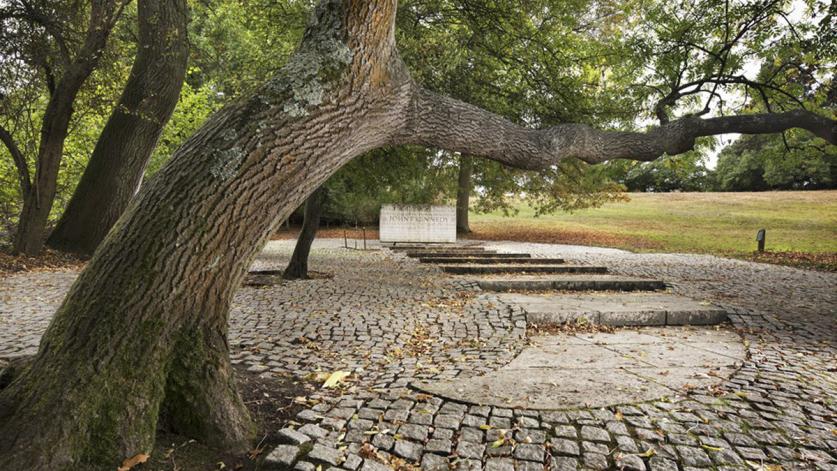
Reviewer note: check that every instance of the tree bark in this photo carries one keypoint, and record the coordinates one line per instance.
(463, 193)
(24, 181)
(143, 330)
(116, 167)
(447, 123)
(298, 266)
(37, 201)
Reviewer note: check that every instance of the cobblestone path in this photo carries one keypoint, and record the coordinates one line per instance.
(389, 320)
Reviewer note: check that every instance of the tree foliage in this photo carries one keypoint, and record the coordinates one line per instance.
(538, 63)
(757, 163)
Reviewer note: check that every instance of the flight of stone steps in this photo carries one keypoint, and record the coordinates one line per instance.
(553, 292)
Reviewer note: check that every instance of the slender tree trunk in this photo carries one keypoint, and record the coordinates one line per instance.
(463, 193)
(143, 330)
(124, 148)
(37, 202)
(298, 266)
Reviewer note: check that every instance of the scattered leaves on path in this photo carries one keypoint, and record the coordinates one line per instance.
(816, 261)
(49, 260)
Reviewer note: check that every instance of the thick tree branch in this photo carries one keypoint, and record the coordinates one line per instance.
(444, 122)
(19, 160)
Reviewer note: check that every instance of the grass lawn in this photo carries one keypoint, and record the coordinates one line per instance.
(803, 223)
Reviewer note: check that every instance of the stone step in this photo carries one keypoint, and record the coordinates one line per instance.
(486, 254)
(522, 269)
(571, 283)
(616, 309)
(266, 272)
(447, 253)
(490, 261)
(433, 247)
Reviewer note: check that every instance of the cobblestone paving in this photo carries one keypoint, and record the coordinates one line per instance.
(389, 320)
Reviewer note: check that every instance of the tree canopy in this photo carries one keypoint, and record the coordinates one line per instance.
(617, 64)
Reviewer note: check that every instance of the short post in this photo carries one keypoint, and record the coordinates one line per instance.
(364, 237)
(345, 239)
(760, 236)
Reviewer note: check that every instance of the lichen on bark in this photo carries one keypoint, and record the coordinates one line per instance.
(316, 68)
(225, 163)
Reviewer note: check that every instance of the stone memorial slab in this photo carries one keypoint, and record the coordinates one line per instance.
(417, 223)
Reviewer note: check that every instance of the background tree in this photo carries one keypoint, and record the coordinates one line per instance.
(298, 265)
(759, 163)
(258, 35)
(464, 187)
(685, 172)
(115, 169)
(44, 46)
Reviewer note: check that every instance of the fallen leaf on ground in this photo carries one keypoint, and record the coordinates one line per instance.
(335, 378)
(129, 463)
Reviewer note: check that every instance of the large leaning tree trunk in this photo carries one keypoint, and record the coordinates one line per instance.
(298, 266)
(142, 334)
(463, 193)
(124, 148)
(39, 194)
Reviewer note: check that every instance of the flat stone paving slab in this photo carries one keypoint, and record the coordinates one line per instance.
(587, 282)
(568, 371)
(617, 309)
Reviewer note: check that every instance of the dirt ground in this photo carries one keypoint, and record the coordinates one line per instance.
(272, 404)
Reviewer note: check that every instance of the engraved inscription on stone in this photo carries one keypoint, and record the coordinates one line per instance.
(417, 223)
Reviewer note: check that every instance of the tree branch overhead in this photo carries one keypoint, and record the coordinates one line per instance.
(444, 122)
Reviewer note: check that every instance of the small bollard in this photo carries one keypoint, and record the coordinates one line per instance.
(364, 237)
(760, 239)
(345, 239)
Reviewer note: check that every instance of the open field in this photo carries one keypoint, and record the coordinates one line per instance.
(801, 226)
(718, 223)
